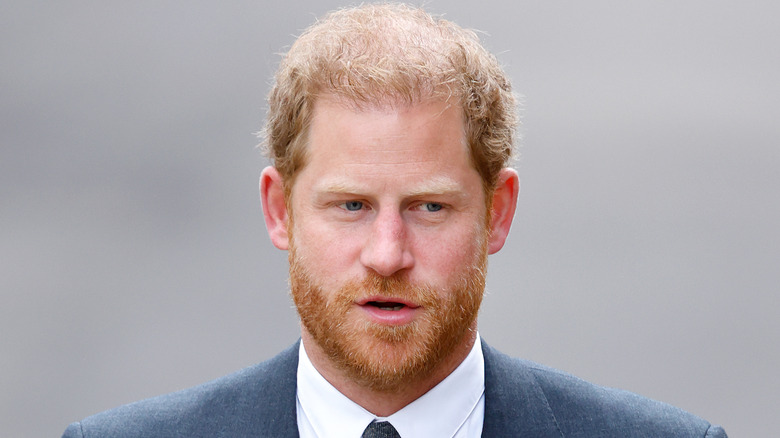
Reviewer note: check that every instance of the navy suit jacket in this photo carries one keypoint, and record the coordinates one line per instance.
(522, 399)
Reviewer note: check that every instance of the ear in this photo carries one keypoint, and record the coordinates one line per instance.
(504, 204)
(274, 207)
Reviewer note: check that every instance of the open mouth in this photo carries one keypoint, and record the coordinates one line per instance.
(384, 305)
(388, 310)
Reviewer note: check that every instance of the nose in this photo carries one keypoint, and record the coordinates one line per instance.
(387, 248)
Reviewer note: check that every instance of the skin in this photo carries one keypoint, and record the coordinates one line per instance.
(387, 191)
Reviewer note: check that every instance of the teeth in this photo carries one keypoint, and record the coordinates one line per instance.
(390, 306)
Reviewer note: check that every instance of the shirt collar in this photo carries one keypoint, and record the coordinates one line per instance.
(440, 412)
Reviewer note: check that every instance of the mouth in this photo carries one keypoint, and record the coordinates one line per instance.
(389, 310)
(385, 305)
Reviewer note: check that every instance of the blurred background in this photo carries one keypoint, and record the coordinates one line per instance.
(134, 259)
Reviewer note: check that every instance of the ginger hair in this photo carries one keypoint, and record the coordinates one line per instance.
(391, 54)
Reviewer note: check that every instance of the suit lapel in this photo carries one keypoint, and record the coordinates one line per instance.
(277, 401)
(515, 405)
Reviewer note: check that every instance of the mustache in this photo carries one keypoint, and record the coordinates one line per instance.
(396, 286)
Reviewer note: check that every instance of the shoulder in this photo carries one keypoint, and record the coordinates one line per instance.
(245, 403)
(573, 407)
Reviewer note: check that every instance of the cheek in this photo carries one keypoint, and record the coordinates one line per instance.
(444, 257)
(328, 254)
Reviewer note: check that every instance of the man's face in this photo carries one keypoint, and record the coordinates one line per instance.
(387, 239)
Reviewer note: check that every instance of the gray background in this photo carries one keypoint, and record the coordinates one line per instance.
(134, 259)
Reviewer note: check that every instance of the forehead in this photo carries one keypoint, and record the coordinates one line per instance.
(420, 143)
(373, 130)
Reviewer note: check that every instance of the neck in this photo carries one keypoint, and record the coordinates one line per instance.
(384, 404)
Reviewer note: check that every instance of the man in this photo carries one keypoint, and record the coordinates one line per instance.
(390, 133)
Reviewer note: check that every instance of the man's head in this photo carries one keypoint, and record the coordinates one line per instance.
(390, 132)
(391, 54)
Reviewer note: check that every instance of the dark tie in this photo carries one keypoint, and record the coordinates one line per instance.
(380, 429)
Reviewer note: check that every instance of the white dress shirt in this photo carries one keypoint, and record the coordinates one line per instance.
(453, 408)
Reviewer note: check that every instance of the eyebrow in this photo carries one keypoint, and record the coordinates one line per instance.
(433, 186)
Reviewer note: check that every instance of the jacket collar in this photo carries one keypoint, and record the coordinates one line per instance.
(515, 404)
(276, 404)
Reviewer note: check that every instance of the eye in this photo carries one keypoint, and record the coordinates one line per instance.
(353, 205)
(431, 206)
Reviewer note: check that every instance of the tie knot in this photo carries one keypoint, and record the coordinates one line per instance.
(380, 429)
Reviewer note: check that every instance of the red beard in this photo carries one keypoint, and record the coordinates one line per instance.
(384, 357)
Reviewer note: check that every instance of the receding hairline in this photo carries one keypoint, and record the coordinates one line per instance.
(387, 101)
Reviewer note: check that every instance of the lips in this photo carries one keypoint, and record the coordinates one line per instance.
(387, 303)
(388, 310)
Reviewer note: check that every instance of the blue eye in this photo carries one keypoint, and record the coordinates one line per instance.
(433, 206)
(353, 205)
